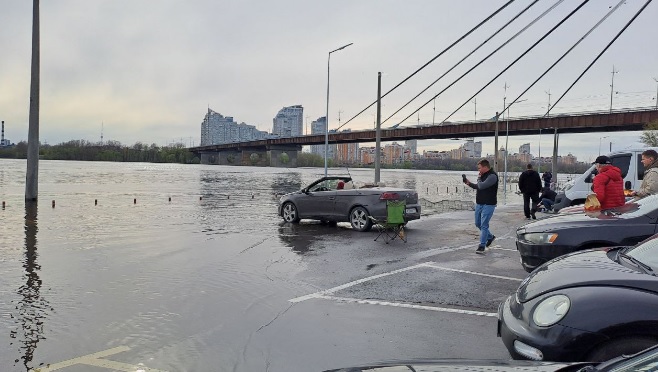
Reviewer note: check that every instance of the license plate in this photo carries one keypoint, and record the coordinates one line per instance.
(410, 210)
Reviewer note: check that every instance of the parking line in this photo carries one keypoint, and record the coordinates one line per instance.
(432, 265)
(409, 306)
(350, 284)
(94, 360)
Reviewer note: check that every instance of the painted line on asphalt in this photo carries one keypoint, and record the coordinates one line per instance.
(503, 249)
(408, 306)
(432, 265)
(96, 361)
(350, 284)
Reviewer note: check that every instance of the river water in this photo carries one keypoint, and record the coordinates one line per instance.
(182, 264)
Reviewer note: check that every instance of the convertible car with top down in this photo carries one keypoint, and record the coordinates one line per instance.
(336, 199)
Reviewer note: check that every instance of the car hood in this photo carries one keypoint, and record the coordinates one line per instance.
(446, 365)
(570, 221)
(581, 269)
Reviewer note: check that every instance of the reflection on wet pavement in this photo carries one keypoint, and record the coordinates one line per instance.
(31, 308)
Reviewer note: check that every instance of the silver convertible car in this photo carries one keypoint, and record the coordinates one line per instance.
(335, 199)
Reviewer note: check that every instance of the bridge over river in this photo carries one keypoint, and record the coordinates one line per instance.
(241, 153)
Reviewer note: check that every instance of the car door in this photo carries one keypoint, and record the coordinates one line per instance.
(317, 203)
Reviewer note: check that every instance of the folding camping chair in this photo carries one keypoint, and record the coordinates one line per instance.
(393, 226)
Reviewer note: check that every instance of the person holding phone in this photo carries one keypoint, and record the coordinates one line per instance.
(486, 198)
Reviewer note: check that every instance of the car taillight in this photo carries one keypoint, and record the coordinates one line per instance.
(389, 196)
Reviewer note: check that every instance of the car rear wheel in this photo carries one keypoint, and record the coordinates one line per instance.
(360, 219)
(619, 347)
(289, 213)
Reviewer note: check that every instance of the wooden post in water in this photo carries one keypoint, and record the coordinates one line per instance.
(32, 174)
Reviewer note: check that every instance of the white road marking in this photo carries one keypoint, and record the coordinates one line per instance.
(409, 306)
(350, 284)
(432, 265)
(95, 360)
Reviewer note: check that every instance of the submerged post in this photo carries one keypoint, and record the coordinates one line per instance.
(378, 135)
(32, 174)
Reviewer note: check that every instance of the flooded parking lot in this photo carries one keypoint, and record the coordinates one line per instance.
(213, 280)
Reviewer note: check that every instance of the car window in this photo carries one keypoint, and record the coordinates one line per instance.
(640, 168)
(622, 162)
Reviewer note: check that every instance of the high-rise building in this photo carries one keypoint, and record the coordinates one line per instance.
(472, 149)
(318, 126)
(524, 149)
(393, 153)
(289, 122)
(412, 145)
(217, 129)
(347, 153)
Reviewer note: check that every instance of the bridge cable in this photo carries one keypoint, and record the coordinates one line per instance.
(619, 4)
(468, 55)
(513, 62)
(600, 54)
(433, 59)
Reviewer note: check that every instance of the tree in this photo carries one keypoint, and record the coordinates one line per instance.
(254, 158)
(284, 158)
(650, 135)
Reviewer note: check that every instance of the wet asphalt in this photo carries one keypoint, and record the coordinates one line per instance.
(431, 297)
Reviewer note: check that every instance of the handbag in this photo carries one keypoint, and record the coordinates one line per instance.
(592, 203)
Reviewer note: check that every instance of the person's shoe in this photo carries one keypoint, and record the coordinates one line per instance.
(480, 249)
(490, 240)
(533, 216)
(527, 218)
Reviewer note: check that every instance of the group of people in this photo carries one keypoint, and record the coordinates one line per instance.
(608, 185)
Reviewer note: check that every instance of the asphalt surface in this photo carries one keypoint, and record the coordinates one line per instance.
(431, 297)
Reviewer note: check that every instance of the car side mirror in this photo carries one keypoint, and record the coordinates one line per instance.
(627, 185)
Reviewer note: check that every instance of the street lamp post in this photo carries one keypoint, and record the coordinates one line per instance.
(600, 138)
(656, 80)
(326, 129)
(507, 149)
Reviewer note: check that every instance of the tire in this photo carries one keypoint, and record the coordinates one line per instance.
(289, 213)
(359, 219)
(619, 347)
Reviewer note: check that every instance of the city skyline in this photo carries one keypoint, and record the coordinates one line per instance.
(120, 63)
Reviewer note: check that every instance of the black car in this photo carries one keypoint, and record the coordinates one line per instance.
(545, 239)
(644, 361)
(585, 306)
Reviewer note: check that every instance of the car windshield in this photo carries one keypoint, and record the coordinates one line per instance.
(637, 208)
(647, 253)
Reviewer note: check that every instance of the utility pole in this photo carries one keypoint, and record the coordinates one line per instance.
(434, 111)
(102, 127)
(612, 85)
(32, 174)
(656, 80)
(475, 102)
(378, 135)
(548, 111)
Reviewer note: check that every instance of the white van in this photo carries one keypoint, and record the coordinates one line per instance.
(629, 161)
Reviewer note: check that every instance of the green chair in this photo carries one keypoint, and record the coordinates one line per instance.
(393, 226)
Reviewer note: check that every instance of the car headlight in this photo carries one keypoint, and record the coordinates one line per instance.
(540, 238)
(551, 310)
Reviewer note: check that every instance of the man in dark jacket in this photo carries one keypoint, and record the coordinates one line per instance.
(530, 185)
(486, 198)
(608, 185)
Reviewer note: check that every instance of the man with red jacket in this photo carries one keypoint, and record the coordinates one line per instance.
(608, 184)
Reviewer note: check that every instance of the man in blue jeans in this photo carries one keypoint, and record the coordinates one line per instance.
(486, 198)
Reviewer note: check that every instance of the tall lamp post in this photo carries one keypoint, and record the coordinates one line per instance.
(600, 138)
(656, 80)
(507, 150)
(326, 129)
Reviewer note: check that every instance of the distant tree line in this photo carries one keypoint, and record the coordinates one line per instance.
(109, 151)
(470, 164)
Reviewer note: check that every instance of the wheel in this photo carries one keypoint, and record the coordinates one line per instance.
(359, 219)
(290, 213)
(622, 346)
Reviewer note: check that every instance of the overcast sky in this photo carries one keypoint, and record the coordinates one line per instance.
(148, 70)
